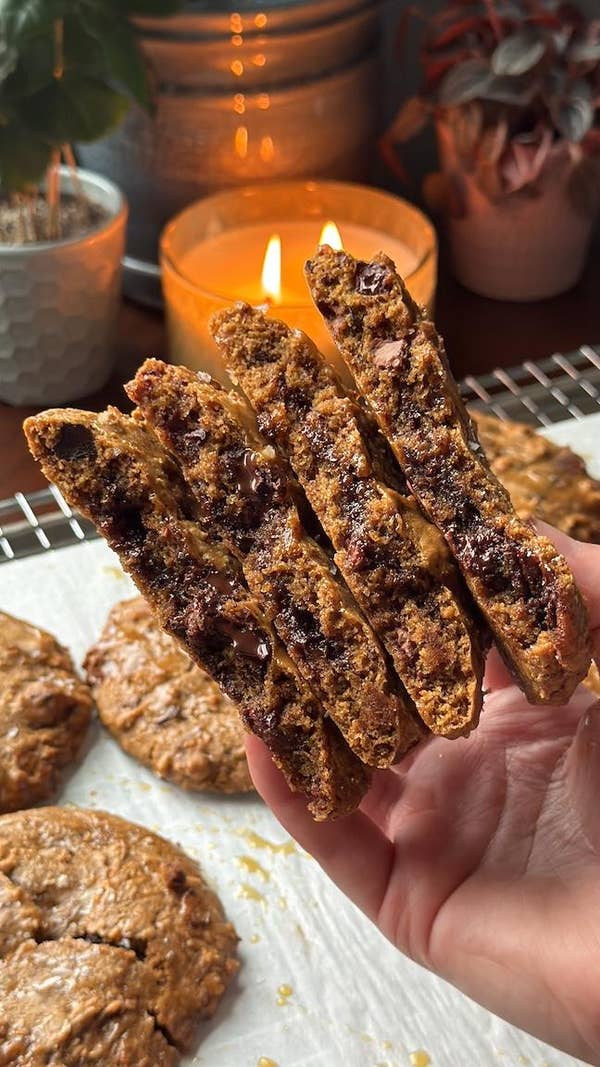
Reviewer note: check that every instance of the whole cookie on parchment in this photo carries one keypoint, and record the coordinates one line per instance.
(163, 709)
(544, 479)
(45, 711)
(91, 877)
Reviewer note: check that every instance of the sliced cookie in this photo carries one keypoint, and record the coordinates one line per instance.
(544, 480)
(45, 711)
(163, 709)
(394, 560)
(70, 1003)
(244, 497)
(94, 877)
(117, 474)
(522, 585)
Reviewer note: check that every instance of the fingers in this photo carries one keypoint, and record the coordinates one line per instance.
(583, 773)
(352, 851)
(497, 674)
(380, 802)
(584, 561)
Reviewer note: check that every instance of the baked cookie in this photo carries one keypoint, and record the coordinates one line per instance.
(393, 559)
(162, 708)
(245, 498)
(45, 711)
(116, 473)
(70, 1003)
(544, 480)
(522, 585)
(20, 918)
(94, 877)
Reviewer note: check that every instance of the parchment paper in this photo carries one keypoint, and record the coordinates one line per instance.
(354, 1001)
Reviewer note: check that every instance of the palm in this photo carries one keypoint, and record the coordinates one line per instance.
(480, 858)
(494, 845)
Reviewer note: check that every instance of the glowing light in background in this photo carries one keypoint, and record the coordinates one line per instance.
(241, 142)
(267, 149)
(330, 235)
(271, 272)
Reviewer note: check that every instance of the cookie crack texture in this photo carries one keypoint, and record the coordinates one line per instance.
(137, 945)
(73, 878)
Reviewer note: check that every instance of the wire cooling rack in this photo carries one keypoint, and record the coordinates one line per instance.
(561, 387)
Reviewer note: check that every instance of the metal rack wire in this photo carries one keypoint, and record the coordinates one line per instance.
(561, 387)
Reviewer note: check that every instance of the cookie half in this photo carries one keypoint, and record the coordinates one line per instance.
(522, 585)
(45, 711)
(163, 709)
(116, 473)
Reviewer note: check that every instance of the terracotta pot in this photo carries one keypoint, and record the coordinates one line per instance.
(522, 247)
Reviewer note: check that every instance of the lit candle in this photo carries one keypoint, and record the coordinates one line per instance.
(261, 260)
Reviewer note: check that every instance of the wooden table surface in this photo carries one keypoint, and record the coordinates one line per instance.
(480, 335)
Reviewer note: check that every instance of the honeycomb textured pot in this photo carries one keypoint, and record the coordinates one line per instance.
(58, 306)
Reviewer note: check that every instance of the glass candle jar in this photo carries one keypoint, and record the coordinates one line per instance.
(213, 254)
(259, 92)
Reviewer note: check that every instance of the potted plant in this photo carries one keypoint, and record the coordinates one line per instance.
(513, 87)
(68, 72)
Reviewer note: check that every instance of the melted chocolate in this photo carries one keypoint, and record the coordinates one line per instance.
(222, 583)
(371, 278)
(391, 355)
(251, 474)
(75, 442)
(247, 642)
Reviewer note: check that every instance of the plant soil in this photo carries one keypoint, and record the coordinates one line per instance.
(27, 221)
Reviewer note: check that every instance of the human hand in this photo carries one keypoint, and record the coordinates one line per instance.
(480, 858)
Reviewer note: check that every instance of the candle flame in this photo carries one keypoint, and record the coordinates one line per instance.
(330, 235)
(271, 272)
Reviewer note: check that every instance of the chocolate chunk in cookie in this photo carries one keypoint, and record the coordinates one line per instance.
(162, 708)
(45, 712)
(520, 582)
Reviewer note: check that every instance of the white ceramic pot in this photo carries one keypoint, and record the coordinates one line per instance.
(58, 306)
(521, 247)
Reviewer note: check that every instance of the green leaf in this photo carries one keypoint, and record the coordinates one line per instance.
(76, 108)
(23, 19)
(123, 59)
(23, 158)
(518, 53)
(8, 61)
(467, 81)
(34, 71)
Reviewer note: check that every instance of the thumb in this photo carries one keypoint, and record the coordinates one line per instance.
(584, 561)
